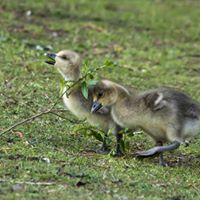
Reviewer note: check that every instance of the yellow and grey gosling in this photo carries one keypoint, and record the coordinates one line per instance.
(167, 115)
(68, 64)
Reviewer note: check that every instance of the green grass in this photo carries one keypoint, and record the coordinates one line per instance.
(151, 43)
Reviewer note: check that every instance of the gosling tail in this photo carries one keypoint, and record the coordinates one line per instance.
(157, 150)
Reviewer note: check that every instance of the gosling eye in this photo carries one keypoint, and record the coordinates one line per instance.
(100, 94)
(64, 57)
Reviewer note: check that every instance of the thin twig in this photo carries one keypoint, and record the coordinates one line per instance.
(72, 121)
(24, 121)
(60, 110)
(50, 110)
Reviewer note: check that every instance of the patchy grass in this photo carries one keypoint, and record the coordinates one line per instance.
(151, 43)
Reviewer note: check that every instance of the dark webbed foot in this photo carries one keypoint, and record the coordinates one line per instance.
(158, 150)
(103, 150)
(161, 160)
(119, 141)
(151, 152)
(118, 153)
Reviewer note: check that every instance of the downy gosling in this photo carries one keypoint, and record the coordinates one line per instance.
(68, 64)
(166, 114)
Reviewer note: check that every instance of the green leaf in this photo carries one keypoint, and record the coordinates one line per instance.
(92, 82)
(98, 136)
(108, 63)
(84, 89)
(90, 75)
(122, 146)
(62, 85)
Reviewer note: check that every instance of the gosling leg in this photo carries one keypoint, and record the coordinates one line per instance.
(161, 160)
(161, 155)
(119, 136)
(104, 149)
(158, 149)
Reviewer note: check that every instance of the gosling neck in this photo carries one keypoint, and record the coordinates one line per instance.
(74, 75)
(121, 98)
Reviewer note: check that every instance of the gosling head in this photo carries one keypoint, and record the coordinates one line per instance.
(66, 62)
(104, 94)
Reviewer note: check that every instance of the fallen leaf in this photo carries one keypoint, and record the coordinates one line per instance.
(19, 134)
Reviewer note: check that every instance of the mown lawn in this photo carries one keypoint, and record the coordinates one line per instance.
(150, 43)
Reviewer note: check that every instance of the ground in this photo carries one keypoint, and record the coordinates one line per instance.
(151, 43)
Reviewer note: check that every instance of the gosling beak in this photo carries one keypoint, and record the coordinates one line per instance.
(52, 56)
(95, 106)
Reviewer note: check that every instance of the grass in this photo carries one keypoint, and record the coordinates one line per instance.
(151, 43)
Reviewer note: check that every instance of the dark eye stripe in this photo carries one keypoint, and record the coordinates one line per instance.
(64, 57)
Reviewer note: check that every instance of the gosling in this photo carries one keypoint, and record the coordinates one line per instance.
(166, 114)
(68, 64)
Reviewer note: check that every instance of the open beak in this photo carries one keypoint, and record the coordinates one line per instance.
(52, 57)
(95, 106)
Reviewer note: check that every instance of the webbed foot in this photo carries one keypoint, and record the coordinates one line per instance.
(148, 153)
(161, 160)
(118, 153)
(103, 150)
